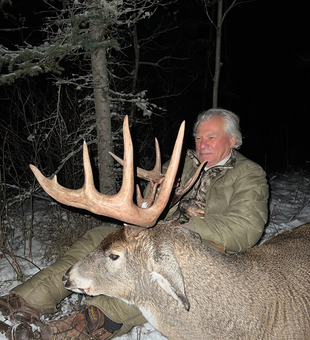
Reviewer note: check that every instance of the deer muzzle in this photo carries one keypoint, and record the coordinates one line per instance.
(76, 284)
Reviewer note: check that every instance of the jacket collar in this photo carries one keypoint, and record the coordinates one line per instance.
(227, 163)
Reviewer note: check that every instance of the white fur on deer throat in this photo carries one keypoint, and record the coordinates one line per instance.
(150, 317)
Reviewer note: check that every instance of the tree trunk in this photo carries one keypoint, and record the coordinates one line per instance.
(217, 53)
(103, 116)
(208, 82)
(135, 70)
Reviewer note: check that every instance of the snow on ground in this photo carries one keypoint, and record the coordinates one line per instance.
(289, 208)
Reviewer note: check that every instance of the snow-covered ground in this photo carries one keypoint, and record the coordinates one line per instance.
(289, 208)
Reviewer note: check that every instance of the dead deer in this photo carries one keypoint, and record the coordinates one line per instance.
(184, 289)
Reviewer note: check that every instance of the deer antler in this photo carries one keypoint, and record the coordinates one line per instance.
(155, 177)
(119, 206)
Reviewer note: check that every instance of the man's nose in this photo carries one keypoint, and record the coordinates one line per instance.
(204, 144)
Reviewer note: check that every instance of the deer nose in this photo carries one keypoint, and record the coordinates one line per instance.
(65, 278)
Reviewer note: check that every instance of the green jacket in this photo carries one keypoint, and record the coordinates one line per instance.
(236, 208)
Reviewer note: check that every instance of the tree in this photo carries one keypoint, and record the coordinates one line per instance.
(83, 37)
(102, 108)
(71, 81)
(226, 6)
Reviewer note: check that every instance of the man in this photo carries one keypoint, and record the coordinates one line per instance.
(227, 206)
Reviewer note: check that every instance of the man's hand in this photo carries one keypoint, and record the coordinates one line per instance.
(191, 211)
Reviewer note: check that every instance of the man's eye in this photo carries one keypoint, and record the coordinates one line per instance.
(113, 257)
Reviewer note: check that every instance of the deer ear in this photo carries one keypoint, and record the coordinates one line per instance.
(167, 273)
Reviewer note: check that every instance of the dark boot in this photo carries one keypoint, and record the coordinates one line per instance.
(17, 309)
(4, 327)
(90, 323)
(25, 331)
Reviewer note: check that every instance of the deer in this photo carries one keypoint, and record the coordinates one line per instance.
(183, 288)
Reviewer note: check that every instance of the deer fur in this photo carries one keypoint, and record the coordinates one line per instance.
(188, 291)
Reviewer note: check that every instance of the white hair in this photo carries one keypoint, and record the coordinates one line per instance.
(232, 127)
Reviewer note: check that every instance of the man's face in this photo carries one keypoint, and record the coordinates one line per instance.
(212, 142)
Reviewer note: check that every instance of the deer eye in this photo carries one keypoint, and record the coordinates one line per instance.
(113, 257)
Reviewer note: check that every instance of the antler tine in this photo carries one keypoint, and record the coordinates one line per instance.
(149, 175)
(155, 177)
(169, 180)
(127, 188)
(119, 206)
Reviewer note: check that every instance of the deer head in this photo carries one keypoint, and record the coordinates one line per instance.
(122, 207)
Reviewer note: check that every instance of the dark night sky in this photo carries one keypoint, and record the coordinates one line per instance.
(267, 72)
(271, 60)
(264, 77)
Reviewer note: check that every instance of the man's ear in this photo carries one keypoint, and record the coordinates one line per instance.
(232, 141)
